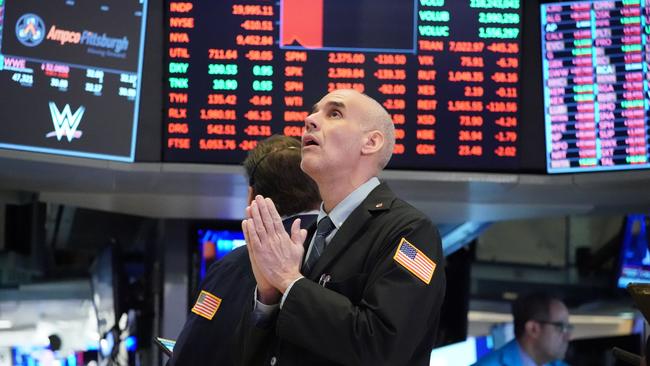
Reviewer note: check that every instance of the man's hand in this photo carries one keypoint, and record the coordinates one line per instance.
(266, 293)
(275, 254)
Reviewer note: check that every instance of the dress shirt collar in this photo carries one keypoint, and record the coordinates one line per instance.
(526, 360)
(303, 213)
(340, 213)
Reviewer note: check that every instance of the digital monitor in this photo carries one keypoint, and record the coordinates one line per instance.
(635, 257)
(446, 71)
(215, 244)
(462, 353)
(70, 76)
(37, 356)
(595, 79)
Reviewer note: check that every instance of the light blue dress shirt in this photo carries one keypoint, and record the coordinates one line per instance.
(526, 360)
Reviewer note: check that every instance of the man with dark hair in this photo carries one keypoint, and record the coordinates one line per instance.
(273, 169)
(542, 333)
(367, 286)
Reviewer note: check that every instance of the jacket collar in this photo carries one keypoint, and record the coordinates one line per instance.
(380, 199)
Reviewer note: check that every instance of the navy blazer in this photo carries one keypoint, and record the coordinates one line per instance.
(208, 342)
(371, 311)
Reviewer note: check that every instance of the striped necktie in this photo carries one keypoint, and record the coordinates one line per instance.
(324, 228)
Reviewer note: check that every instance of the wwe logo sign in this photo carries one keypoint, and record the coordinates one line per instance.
(65, 122)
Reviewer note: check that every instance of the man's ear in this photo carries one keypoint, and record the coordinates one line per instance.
(532, 328)
(373, 142)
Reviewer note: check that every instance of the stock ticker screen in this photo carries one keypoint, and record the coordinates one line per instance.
(595, 74)
(70, 76)
(447, 72)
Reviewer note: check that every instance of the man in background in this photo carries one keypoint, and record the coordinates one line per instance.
(542, 333)
(367, 287)
(273, 170)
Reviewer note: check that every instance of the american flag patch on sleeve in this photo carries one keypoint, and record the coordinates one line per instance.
(206, 305)
(414, 261)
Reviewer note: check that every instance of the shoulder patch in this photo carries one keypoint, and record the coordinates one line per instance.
(206, 305)
(414, 261)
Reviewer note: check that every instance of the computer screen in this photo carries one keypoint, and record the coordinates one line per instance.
(462, 353)
(595, 79)
(635, 257)
(70, 72)
(37, 356)
(446, 71)
(215, 244)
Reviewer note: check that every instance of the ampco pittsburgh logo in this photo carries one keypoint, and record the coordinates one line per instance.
(66, 122)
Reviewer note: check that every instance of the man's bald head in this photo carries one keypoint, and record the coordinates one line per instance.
(377, 118)
(348, 133)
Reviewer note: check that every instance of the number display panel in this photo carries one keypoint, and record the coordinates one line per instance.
(595, 79)
(446, 71)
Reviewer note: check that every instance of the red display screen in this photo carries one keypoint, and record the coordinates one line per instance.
(446, 71)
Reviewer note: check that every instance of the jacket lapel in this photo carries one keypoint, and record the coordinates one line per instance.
(378, 200)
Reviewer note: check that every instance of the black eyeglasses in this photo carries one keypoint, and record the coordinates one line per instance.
(251, 179)
(561, 326)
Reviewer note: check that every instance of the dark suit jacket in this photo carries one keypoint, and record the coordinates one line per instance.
(209, 342)
(373, 311)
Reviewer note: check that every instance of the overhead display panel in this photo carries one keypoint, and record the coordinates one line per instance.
(70, 76)
(447, 72)
(595, 73)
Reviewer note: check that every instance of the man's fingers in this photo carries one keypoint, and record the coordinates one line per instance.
(267, 219)
(257, 224)
(244, 230)
(275, 216)
(297, 236)
(247, 237)
(249, 245)
(245, 227)
(251, 236)
(259, 277)
(303, 236)
(295, 226)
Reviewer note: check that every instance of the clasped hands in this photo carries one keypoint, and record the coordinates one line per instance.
(275, 255)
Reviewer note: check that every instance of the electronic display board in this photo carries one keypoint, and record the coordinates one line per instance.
(447, 72)
(634, 255)
(70, 76)
(595, 78)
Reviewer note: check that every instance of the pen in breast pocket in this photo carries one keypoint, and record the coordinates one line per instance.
(324, 279)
